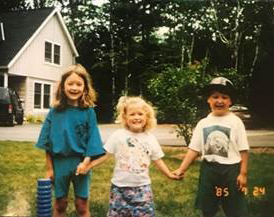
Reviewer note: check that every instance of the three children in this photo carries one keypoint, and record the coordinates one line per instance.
(73, 146)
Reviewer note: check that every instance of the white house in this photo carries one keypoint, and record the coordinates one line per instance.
(35, 47)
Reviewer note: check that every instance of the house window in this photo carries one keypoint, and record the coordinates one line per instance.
(48, 52)
(52, 53)
(41, 96)
(56, 58)
(37, 95)
(46, 95)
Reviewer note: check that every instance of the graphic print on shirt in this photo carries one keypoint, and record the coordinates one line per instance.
(82, 132)
(217, 139)
(134, 156)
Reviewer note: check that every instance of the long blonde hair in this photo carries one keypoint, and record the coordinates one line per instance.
(123, 104)
(89, 96)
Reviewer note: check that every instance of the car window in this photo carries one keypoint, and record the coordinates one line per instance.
(4, 96)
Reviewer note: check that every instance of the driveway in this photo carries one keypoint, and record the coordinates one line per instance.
(165, 134)
(30, 132)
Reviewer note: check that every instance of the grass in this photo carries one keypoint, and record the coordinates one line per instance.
(21, 164)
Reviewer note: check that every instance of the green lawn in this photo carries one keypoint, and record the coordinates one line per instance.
(21, 164)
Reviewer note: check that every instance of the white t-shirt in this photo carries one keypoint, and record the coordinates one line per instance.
(133, 153)
(220, 138)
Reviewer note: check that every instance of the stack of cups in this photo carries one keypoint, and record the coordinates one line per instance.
(44, 198)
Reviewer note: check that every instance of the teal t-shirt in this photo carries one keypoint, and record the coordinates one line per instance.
(69, 132)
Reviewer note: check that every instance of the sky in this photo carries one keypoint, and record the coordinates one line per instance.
(99, 2)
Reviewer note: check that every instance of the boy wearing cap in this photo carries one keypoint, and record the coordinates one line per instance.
(221, 140)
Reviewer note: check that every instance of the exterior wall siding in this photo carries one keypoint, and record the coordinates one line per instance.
(29, 107)
(32, 67)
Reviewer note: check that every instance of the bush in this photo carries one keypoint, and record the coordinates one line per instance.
(37, 119)
(178, 95)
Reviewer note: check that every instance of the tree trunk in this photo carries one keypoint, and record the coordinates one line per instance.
(112, 60)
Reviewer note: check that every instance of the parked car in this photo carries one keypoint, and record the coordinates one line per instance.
(242, 112)
(11, 109)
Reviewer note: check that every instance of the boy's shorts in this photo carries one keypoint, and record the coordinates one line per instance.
(131, 201)
(64, 173)
(218, 186)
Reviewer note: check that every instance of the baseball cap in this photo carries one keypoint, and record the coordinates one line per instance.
(222, 85)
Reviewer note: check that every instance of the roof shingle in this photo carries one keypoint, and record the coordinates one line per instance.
(19, 26)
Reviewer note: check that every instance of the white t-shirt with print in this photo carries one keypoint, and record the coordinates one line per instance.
(133, 153)
(220, 138)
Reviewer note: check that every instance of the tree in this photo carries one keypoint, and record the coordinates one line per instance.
(12, 5)
(179, 97)
(119, 44)
(175, 92)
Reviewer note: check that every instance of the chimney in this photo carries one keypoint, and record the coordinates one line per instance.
(2, 33)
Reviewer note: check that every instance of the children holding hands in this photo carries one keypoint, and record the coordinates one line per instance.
(73, 146)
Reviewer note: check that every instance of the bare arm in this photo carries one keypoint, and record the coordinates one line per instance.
(49, 166)
(242, 177)
(83, 166)
(93, 163)
(160, 164)
(189, 158)
(100, 160)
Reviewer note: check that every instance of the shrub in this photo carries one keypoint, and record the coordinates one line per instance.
(178, 95)
(35, 119)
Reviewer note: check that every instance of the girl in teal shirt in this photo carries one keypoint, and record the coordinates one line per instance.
(71, 138)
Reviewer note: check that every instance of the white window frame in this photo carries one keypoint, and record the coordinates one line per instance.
(42, 109)
(51, 62)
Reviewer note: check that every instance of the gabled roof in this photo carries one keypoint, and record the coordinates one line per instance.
(20, 29)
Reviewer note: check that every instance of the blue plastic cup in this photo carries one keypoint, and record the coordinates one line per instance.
(43, 198)
(44, 215)
(43, 202)
(44, 182)
(44, 191)
(43, 212)
(44, 206)
(43, 188)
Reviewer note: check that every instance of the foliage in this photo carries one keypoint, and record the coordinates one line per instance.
(177, 96)
(35, 119)
(122, 43)
(12, 5)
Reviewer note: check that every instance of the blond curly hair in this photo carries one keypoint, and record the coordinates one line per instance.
(123, 104)
(89, 96)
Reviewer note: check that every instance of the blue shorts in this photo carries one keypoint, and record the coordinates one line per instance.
(131, 201)
(64, 173)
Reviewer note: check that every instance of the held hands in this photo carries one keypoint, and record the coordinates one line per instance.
(174, 176)
(179, 173)
(82, 168)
